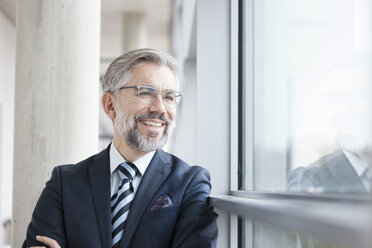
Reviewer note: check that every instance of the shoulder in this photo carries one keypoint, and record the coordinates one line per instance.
(325, 164)
(317, 173)
(181, 167)
(184, 174)
(81, 167)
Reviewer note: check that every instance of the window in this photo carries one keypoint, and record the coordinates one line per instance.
(307, 84)
(301, 110)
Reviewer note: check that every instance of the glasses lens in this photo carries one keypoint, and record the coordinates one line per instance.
(169, 97)
(146, 95)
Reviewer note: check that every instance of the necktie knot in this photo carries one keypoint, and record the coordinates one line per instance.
(127, 170)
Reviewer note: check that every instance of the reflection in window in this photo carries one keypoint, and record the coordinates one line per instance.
(346, 98)
(311, 83)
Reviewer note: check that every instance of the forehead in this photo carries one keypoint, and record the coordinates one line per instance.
(158, 76)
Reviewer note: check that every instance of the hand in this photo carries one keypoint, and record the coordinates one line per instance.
(48, 241)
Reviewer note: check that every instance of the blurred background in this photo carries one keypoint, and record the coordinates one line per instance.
(271, 86)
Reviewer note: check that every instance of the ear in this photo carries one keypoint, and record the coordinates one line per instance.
(108, 104)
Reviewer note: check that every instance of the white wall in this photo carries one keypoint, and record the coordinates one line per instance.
(202, 43)
(184, 137)
(213, 99)
(7, 79)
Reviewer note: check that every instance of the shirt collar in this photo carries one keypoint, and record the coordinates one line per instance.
(359, 165)
(141, 163)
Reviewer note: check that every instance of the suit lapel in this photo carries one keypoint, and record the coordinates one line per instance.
(344, 173)
(99, 175)
(156, 173)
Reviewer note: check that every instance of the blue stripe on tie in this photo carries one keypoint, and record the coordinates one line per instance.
(128, 169)
(124, 202)
(120, 220)
(117, 237)
(121, 190)
(124, 174)
(121, 197)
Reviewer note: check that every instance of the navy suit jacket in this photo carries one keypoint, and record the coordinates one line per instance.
(332, 173)
(74, 207)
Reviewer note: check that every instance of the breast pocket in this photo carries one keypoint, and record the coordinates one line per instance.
(156, 228)
(169, 212)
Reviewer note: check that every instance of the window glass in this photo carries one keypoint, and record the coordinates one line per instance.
(263, 235)
(307, 87)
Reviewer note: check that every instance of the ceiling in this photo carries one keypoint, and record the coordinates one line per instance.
(9, 6)
(157, 18)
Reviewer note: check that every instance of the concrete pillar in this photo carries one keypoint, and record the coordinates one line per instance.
(135, 30)
(56, 95)
(7, 78)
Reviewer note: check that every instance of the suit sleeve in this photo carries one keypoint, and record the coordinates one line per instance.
(300, 180)
(48, 218)
(196, 226)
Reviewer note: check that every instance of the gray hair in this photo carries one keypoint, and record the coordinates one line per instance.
(119, 71)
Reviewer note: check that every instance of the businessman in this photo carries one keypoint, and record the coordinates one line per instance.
(348, 169)
(132, 194)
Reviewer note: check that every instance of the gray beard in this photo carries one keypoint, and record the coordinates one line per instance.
(127, 127)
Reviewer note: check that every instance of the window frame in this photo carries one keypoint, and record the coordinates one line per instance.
(326, 219)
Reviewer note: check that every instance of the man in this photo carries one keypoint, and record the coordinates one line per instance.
(132, 194)
(348, 169)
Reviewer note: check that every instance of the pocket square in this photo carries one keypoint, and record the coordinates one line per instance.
(162, 202)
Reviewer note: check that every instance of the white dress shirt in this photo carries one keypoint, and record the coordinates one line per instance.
(361, 168)
(116, 159)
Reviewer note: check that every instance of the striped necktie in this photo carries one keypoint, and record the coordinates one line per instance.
(121, 201)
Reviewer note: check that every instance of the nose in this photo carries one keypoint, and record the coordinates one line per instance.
(158, 105)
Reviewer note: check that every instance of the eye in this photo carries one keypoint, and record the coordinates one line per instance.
(169, 96)
(145, 92)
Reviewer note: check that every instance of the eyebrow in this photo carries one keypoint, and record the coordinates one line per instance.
(156, 88)
(147, 85)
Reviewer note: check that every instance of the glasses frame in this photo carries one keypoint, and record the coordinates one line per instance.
(138, 87)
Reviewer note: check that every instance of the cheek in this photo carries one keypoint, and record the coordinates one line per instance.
(134, 110)
(131, 105)
(172, 115)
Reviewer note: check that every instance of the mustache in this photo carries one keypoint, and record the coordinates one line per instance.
(152, 115)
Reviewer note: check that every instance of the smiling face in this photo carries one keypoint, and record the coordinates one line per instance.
(144, 127)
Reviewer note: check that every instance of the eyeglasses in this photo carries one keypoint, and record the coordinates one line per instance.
(147, 95)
